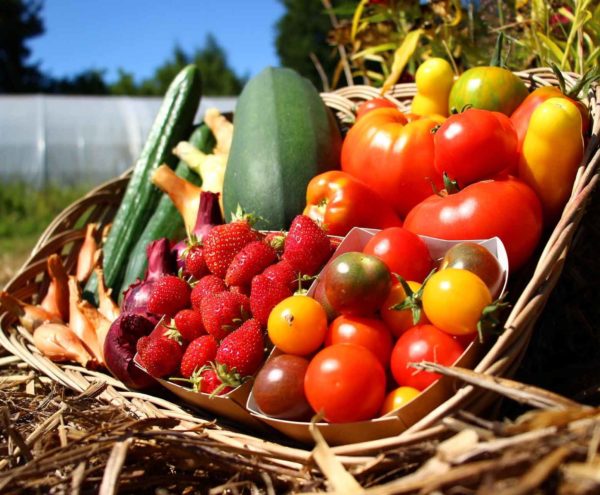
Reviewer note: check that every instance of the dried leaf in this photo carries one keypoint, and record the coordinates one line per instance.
(401, 57)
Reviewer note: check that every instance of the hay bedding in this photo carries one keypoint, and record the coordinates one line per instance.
(54, 441)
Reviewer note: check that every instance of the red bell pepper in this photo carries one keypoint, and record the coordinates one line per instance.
(339, 202)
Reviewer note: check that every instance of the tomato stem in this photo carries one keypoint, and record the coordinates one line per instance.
(490, 318)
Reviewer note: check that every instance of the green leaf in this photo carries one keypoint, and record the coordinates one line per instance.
(374, 49)
(356, 18)
(552, 47)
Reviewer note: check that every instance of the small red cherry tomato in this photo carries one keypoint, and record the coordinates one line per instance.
(346, 383)
(403, 252)
(368, 332)
(422, 343)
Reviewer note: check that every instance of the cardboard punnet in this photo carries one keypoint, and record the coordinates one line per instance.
(401, 419)
(231, 405)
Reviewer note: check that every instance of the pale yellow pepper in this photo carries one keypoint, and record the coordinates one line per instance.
(552, 152)
(434, 79)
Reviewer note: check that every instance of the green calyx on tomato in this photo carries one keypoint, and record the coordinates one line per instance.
(413, 301)
(490, 321)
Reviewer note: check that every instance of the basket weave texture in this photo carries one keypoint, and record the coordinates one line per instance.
(65, 234)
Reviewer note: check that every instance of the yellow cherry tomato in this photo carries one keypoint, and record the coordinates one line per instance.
(454, 299)
(397, 398)
(297, 325)
(434, 79)
(552, 152)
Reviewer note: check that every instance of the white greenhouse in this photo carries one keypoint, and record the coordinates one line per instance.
(47, 139)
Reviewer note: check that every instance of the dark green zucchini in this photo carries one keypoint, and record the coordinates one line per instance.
(172, 124)
(166, 220)
(283, 136)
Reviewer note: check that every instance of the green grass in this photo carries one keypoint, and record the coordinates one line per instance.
(24, 214)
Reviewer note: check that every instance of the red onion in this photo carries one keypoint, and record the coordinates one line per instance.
(160, 262)
(119, 349)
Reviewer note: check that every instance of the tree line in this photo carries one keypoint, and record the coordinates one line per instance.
(300, 41)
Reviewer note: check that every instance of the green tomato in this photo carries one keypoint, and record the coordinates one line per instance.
(357, 283)
(488, 88)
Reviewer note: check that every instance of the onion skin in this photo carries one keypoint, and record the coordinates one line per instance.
(59, 343)
(29, 316)
(119, 349)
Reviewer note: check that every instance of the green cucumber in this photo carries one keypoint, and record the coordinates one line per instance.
(283, 136)
(172, 124)
(166, 220)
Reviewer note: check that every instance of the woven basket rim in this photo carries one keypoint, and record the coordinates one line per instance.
(503, 355)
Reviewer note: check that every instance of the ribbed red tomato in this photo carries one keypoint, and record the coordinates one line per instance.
(393, 157)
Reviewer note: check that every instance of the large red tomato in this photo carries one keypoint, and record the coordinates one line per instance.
(392, 156)
(507, 208)
(422, 343)
(345, 382)
(475, 145)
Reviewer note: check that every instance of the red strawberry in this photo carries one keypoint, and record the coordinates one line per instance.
(168, 295)
(210, 383)
(209, 284)
(240, 289)
(276, 240)
(223, 242)
(264, 295)
(189, 324)
(197, 355)
(224, 312)
(307, 247)
(251, 260)
(194, 262)
(242, 351)
(282, 272)
(159, 355)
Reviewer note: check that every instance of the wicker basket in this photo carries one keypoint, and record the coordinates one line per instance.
(66, 232)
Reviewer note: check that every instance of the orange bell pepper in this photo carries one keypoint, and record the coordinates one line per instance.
(339, 202)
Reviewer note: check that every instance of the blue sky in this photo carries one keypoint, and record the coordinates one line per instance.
(138, 35)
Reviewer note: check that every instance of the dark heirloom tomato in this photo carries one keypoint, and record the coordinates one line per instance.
(477, 259)
(404, 253)
(488, 88)
(345, 382)
(279, 388)
(475, 145)
(506, 208)
(367, 332)
(357, 283)
(422, 343)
